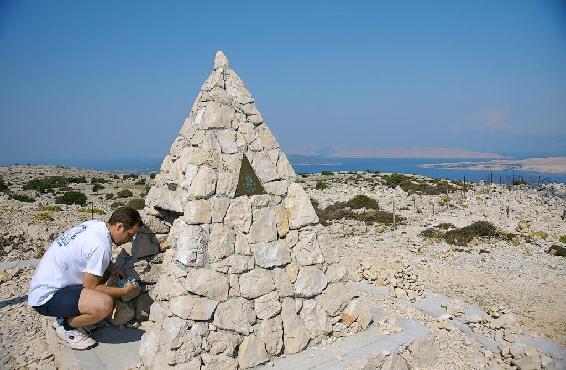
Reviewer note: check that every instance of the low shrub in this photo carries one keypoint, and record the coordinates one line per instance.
(3, 186)
(117, 204)
(465, 234)
(341, 210)
(538, 235)
(130, 176)
(72, 197)
(362, 201)
(96, 187)
(562, 239)
(140, 182)
(109, 196)
(320, 185)
(393, 180)
(152, 176)
(116, 177)
(43, 216)
(52, 182)
(326, 173)
(136, 203)
(124, 193)
(22, 197)
(98, 180)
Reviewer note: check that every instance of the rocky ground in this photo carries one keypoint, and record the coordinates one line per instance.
(509, 274)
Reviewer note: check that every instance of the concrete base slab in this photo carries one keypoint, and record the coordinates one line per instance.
(117, 349)
(340, 354)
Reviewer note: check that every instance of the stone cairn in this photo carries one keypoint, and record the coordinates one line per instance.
(244, 277)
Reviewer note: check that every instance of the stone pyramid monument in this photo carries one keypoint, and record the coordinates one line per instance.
(244, 277)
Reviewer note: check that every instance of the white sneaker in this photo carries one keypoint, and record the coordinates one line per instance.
(75, 338)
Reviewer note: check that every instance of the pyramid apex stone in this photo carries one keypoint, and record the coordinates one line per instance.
(220, 60)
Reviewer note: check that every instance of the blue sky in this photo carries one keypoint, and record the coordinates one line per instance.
(115, 79)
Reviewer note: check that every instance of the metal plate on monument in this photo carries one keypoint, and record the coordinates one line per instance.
(248, 183)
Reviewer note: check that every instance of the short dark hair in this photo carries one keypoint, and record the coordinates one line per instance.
(127, 216)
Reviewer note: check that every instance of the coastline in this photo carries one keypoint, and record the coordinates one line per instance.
(542, 165)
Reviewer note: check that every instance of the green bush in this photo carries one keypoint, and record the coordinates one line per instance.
(23, 198)
(465, 234)
(130, 176)
(109, 196)
(393, 180)
(562, 239)
(152, 176)
(72, 197)
(96, 187)
(326, 173)
(117, 204)
(52, 182)
(136, 203)
(98, 180)
(140, 182)
(3, 186)
(320, 185)
(124, 193)
(43, 216)
(362, 201)
(116, 177)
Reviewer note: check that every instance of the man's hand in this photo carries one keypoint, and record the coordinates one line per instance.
(129, 287)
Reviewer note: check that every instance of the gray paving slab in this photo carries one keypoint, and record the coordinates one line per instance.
(19, 263)
(362, 345)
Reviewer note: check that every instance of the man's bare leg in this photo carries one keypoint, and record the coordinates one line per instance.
(93, 306)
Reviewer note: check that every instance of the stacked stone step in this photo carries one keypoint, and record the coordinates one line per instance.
(245, 277)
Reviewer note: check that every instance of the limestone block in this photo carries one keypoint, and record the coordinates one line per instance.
(239, 214)
(236, 314)
(217, 115)
(227, 140)
(282, 283)
(292, 238)
(266, 137)
(243, 244)
(193, 308)
(203, 184)
(207, 283)
(190, 348)
(256, 119)
(173, 330)
(218, 362)
(167, 287)
(263, 228)
(122, 313)
(394, 362)
(222, 242)
(216, 79)
(315, 318)
(282, 220)
(267, 306)
(217, 94)
(259, 201)
(251, 352)
(164, 198)
(191, 245)
(264, 168)
(154, 224)
(158, 311)
(310, 282)
(270, 332)
(296, 335)
(197, 212)
(276, 187)
(272, 254)
(336, 272)
(234, 286)
(284, 168)
(235, 87)
(335, 298)
(360, 310)
(223, 342)
(292, 271)
(227, 183)
(219, 206)
(149, 344)
(256, 283)
(307, 251)
(301, 212)
(234, 264)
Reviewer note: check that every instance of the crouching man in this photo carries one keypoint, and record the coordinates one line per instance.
(69, 282)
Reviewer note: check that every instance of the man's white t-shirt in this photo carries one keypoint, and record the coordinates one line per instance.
(83, 248)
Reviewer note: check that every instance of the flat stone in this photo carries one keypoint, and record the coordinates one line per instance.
(263, 228)
(310, 282)
(335, 298)
(197, 212)
(239, 214)
(203, 184)
(207, 283)
(296, 335)
(360, 311)
(272, 254)
(307, 249)
(282, 283)
(271, 333)
(315, 318)
(222, 242)
(173, 330)
(256, 283)
(251, 352)
(267, 306)
(299, 207)
(282, 220)
(193, 308)
(223, 342)
(191, 245)
(219, 206)
(336, 272)
(217, 115)
(235, 314)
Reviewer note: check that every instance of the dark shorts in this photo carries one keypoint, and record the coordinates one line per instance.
(64, 303)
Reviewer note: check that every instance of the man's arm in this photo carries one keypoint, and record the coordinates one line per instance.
(94, 282)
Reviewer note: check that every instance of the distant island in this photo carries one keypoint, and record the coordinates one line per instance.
(548, 165)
